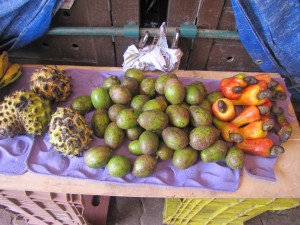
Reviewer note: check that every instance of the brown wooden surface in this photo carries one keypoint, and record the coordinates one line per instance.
(182, 12)
(286, 169)
(75, 50)
(208, 18)
(124, 12)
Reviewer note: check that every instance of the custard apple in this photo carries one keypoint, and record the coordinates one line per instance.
(51, 83)
(10, 124)
(69, 132)
(34, 111)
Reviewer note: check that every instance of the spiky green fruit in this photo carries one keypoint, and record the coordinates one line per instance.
(33, 110)
(10, 124)
(51, 83)
(69, 132)
(24, 110)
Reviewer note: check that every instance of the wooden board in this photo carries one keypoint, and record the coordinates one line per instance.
(79, 50)
(286, 169)
(124, 12)
(208, 18)
(188, 11)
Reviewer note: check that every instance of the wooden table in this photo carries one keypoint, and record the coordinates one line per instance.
(287, 171)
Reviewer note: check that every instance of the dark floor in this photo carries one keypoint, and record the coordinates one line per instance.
(149, 211)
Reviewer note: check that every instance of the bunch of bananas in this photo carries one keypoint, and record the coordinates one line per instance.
(8, 72)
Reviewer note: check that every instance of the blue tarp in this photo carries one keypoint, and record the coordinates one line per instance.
(23, 21)
(270, 32)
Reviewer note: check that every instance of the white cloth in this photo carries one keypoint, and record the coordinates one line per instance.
(156, 56)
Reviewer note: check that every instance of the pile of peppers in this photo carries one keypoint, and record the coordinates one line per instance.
(247, 112)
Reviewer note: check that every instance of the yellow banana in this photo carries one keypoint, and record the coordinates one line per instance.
(3, 63)
(12, 73)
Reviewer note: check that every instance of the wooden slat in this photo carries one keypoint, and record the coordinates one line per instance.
(83, 50)
(182, 12)
(208, 18)
(124, 12)
(229, 54)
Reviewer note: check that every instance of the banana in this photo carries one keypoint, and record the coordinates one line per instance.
(12, 73)
(3, 63)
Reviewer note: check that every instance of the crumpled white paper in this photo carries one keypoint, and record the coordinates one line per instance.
(156, 56)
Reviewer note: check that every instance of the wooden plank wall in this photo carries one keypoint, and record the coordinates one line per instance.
(124, 12)
(199, 54)
(74, 50)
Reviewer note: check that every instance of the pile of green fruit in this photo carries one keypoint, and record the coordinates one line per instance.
(162, 118)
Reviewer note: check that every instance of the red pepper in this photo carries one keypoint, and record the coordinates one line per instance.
(263, 84)
(268, 103)
(253, 94)
(260, 146)
(223, 109)
(229, 131)
(232, 87)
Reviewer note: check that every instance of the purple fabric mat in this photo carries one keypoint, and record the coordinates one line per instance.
(43, 159)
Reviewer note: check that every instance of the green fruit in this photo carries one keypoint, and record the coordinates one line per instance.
(147, 87)
(118, 166)
(178, 115)
(199, 116)
(205, 104)
(134, 133)
(137, 74)
(161, 81)
(164, 152)
(184, 105)
(159, 103)
(111, 81)
(139, 101)
(100, 121)
(214, 152)
(195, 93)
(153, 120)
(174, 91)
(120, 94)
(127, 118)
(100, 98)
(175, 138)
(114, 110)
(134, 147)
(148, 142)
(184, 158)
(97, 156)
(203, 136)
(131, 84)
(235, 158)
(214, 96)
(82, 104)
(144, 166)
(114, 136)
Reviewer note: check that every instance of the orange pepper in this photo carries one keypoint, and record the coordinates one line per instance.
(229, 131)
(253, 94)
(247, 115)
(223, 109)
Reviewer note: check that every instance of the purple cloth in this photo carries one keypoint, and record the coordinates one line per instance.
(43, 159)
